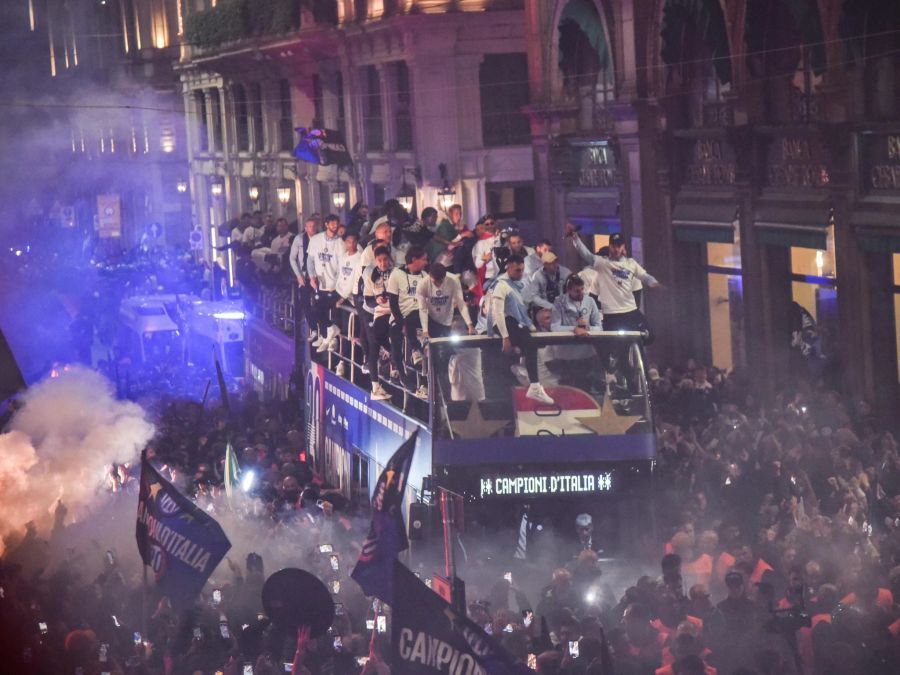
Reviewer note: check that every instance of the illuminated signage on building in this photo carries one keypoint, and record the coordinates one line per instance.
(596, 167)
(544, 484)
(585, 164)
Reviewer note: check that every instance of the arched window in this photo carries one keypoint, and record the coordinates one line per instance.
(787, 56)
(584, 59)
(695, 51)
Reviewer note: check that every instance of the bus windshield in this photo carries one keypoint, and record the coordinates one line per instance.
(597, 383)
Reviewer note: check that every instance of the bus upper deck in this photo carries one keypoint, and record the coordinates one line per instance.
(479, 434)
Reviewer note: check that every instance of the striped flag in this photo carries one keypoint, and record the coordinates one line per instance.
(522, 543)
(232, 473)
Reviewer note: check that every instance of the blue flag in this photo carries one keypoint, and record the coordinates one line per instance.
(322, 146)
(374, 570)
(428, 636)
(180, 542)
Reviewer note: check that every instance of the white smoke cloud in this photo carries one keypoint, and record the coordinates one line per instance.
(58, 446)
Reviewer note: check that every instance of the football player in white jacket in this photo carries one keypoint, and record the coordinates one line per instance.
(322, 266)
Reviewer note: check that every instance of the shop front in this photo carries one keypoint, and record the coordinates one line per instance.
(875, 217)
(705, 219)
(794, 224)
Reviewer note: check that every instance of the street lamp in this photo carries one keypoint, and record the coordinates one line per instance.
(339, 197)
(284, 193)
(217, 187)
(446, 195)
(253, 192)
(181, 186)
(407, 195)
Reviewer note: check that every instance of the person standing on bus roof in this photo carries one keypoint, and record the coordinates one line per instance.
(322, 265)
(349, 269)
(349, 272)
(549, 280)
(298, 258)
(509, 317)
(382, 239)
(375, 301)
(615, 281)
(401, 289)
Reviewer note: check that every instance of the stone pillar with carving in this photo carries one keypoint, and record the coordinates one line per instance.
(442, 123)
(388, 81)
(857, 363)
(646, 215)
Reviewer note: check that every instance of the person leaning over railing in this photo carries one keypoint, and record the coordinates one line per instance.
(439, 295)
(576, 312)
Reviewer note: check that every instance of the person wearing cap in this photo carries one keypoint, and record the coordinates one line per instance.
(615, 282)
(549, 280)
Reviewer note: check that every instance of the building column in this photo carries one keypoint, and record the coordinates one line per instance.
(388, 81)
(881, 387)
(207, 97)
(549, 225)
(232, 184)
(467, 132)
(437, 127)
(190, 127)
(857, 365)
(626, 56)
(646, 214)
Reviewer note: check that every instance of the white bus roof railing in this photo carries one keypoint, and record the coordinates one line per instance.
(615, 334)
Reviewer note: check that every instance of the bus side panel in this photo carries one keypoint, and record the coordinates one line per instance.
(342, 417)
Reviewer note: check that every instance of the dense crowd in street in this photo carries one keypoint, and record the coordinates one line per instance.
(778, 519)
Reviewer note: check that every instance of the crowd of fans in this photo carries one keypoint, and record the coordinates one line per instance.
(779, 554)
(778, 519)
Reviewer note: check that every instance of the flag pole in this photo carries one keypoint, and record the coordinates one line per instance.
(144, 593)
(447, 520)
(457, 587)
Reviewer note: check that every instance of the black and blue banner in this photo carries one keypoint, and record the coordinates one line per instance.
(374, 570)
(428, 636)
(322, 147)
(181, 543)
